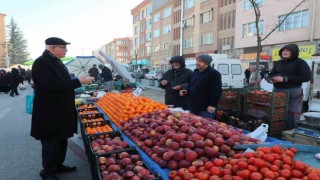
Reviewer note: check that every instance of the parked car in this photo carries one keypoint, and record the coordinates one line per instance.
(153, 75)
(140, 74)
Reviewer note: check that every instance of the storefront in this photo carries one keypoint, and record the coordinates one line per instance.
(250, 59)
(140, 64)
(306, 52)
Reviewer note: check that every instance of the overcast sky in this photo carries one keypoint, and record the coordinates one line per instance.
(87, 24)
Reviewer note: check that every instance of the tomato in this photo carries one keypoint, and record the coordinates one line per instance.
(188, 176)
(248, 155)
(208, 165)
(182, 171)
(264, 169)
(298, 165)
(172, 174)
(287, 160)
(286, 166)
(192, 169)
(276, 156)
(250, 161)
(312, 176)
(274, 168)
(216, 171)
(297, 173)
(202, 176)
(285, 173)
(242, 165)
(214, 177)
(268, 157)
(276, 149)
(227, 177)
(277, 162)
(259, 163)
(269, 174)
(235, 168)
(177, 178)
(237, 156)
(245, 174)
(289, 153)
(294, 150)
(228, 166)
(256, 176)
(258, 154)
(252, 168)
(218, 162)
(227, 172)
(201, 169)
(266, 150)
(233, 162)
(280, 178)
(237, 178)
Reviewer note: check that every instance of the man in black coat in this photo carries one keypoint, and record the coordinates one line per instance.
(205, 88)
(94, 72)
(174, 80)
(106, 75)
(54, 117)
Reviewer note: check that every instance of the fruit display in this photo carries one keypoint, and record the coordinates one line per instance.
(126, 165)
(92, 117)
(97, 127)
(267, 98)
(231, 99)
(266, 112)
(265, 163)
(88, 111)
(125, 106)
(176, 140)
(107, 142)
(84, 106)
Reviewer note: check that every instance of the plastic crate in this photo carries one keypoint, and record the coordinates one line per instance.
(231, 98)
(91, 118)
(276, 127)
(86, 105)
(88, 111)
(266, 112)
(132, 151)
(267, 98)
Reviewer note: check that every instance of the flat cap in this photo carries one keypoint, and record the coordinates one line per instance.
(206, 58)
(55, 41)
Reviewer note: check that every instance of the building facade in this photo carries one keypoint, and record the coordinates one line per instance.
(141, 40)
(3, 46)
(119, 49)
(299, 27)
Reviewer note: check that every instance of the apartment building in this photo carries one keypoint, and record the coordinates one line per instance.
(119, 49)
(3, 47)
(300, 27)
(141, 41)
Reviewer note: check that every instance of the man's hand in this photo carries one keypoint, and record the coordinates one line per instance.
(276, 79)
(176, 87)
(164, 82)
(211, 109)
(86, 79)
(183, 92)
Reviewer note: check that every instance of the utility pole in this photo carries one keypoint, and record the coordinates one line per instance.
(181, 27)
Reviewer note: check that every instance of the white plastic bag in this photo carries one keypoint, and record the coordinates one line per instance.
(260, 133)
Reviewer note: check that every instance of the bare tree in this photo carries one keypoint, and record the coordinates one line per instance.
(257, 13)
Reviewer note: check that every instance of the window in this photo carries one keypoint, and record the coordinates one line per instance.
(156, 33)
(142, 14)
(294, 21)
(223, 69)
(136, 30)
(166, 46)
(142, 27)
(148, 11)
(166, 29)
(188, 4)
(148, 50)
(236, 69)
(250, 29)
(188, 22)
(136, 41)
(203, 1)
(148, 23)
(156, 17)
(206, 39)
(247, 4)
(156, 48)
(136, 19)
(206, 17)
(148, 37)
(167, 12)
(142, 39)
(188, 43)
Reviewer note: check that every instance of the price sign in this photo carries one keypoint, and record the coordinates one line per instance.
(138, 91)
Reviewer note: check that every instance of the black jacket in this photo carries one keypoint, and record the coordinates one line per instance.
(54, 116)
(15, 78)
(294, 70)
(106, 74)
(93, 72)
(205, 89)
(181, 77)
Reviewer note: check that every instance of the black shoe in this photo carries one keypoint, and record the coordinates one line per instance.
(50, 177)
(11, 95)
(17, 94)
(63, 168)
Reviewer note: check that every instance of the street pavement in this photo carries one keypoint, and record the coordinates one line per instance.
(20, 154)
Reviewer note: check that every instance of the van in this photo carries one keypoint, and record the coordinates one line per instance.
(231, 70)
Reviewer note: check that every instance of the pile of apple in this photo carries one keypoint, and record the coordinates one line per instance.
(123, 166)
(108, 144)
(175, 140)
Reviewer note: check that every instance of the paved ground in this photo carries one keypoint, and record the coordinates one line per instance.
(20, 154)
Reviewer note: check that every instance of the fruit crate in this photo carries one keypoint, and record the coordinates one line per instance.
(86, 105)
(276, 127)
(269, 113)
(231, 98)
(266, 98)
(133, 163)
(87, 118)
(84, 132)
(88, 111)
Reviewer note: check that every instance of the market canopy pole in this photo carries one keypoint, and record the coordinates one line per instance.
(121, 69)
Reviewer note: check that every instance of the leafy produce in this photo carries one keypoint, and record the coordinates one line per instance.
(265, 163)
(178, 140)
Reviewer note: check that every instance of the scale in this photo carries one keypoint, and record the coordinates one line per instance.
(307, 129)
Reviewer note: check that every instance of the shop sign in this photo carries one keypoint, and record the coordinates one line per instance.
(156, 62)
(134, 62)
(253, 56)
(140, 62)
(306, 52)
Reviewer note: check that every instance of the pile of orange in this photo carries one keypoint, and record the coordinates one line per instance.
(125, 106)
(98, 129)
(88, 111)
(85, 120)
(86, 106)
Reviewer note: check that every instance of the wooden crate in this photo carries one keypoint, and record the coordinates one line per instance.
(299, 138)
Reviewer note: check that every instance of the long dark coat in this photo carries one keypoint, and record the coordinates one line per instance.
(54, 115)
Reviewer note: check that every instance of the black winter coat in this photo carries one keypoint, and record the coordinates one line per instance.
(54, 116)
(181, 77)
(106, 74)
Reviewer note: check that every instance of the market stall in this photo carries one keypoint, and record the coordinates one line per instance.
(137, 138)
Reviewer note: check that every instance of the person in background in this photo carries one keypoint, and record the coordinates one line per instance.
(174, 80)
(54, 116)
(288, 74)
(28, 76)
(264, 73)
(14, 81)
(247, 74)
(205, 88)
(4, 82)
(94, 72)
(106, 75)
(22, 73)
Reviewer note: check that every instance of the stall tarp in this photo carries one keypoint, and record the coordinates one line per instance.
(64, 60)
(120, 68)
(80, 65)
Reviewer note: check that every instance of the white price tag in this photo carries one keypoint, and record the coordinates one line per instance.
(137, 92)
